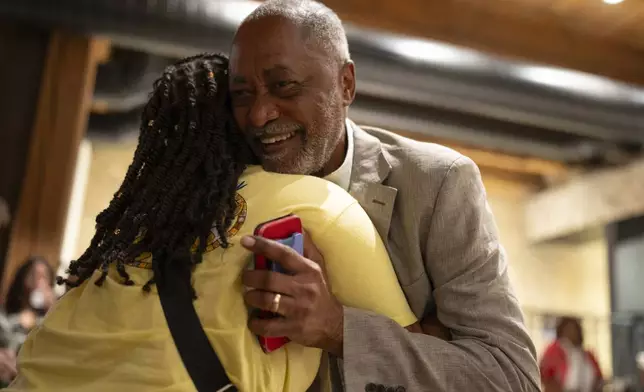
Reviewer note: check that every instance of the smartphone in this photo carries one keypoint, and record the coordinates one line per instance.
(288, 231)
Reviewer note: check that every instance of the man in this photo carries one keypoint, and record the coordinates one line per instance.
(292, 81)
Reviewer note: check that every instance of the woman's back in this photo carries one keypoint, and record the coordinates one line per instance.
(115, 338)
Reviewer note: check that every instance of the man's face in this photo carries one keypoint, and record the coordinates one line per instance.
(289, 98)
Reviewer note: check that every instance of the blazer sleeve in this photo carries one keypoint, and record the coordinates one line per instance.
(490, 349)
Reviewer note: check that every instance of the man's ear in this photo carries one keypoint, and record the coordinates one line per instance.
(348, 83)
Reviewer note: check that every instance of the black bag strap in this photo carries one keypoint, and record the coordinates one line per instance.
(198, 355)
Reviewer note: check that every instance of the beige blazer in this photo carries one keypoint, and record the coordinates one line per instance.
(429, 203)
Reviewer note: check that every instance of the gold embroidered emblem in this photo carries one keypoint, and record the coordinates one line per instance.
(213, 240)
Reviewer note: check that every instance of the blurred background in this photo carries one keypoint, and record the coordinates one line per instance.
(546, 96)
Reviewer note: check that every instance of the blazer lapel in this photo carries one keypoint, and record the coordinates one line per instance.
(370, 169)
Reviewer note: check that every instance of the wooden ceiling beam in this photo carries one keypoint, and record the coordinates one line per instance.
(60, 121)
(103, 50)
(586, 202)
(502, 28)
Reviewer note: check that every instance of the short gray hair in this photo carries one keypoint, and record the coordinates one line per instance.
(318, 22)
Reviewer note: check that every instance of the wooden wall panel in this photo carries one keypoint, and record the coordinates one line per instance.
(21, 70)
(61, 118)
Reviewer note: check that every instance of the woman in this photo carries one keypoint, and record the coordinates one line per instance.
(566, 366)
(190, 170)
(30, 296)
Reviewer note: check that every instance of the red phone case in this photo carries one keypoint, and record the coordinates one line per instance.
(276, 229)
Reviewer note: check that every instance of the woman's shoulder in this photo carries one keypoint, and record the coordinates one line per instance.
(257, 173)
(293, 188)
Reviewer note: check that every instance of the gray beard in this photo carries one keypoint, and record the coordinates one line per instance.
(316, 153)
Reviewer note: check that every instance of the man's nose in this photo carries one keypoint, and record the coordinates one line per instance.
(263, 111)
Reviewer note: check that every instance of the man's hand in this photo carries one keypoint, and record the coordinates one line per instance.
(312, 316)
(431, 325)
(7, 365)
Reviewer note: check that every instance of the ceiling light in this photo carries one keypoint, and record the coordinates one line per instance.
(432, 52)
(566, 80)
(613, 1)
(232, 11)
(581, 83)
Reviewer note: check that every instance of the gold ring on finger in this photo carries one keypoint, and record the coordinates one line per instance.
(276, 303)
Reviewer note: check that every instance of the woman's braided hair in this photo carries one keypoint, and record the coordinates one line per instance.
(183, 178)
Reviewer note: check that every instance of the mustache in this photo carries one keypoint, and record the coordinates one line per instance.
(274, 129)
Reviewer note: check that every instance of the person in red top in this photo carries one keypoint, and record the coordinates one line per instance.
(566, 366)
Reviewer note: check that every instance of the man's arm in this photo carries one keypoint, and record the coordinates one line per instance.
(490, 349)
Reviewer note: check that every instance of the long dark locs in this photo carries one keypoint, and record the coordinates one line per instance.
(182, 180)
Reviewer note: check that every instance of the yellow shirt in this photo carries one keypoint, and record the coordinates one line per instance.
(115, 338)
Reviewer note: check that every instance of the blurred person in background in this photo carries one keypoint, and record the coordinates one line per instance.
(566, 366)
(7, 355)
(639, 360)
(29, 297)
